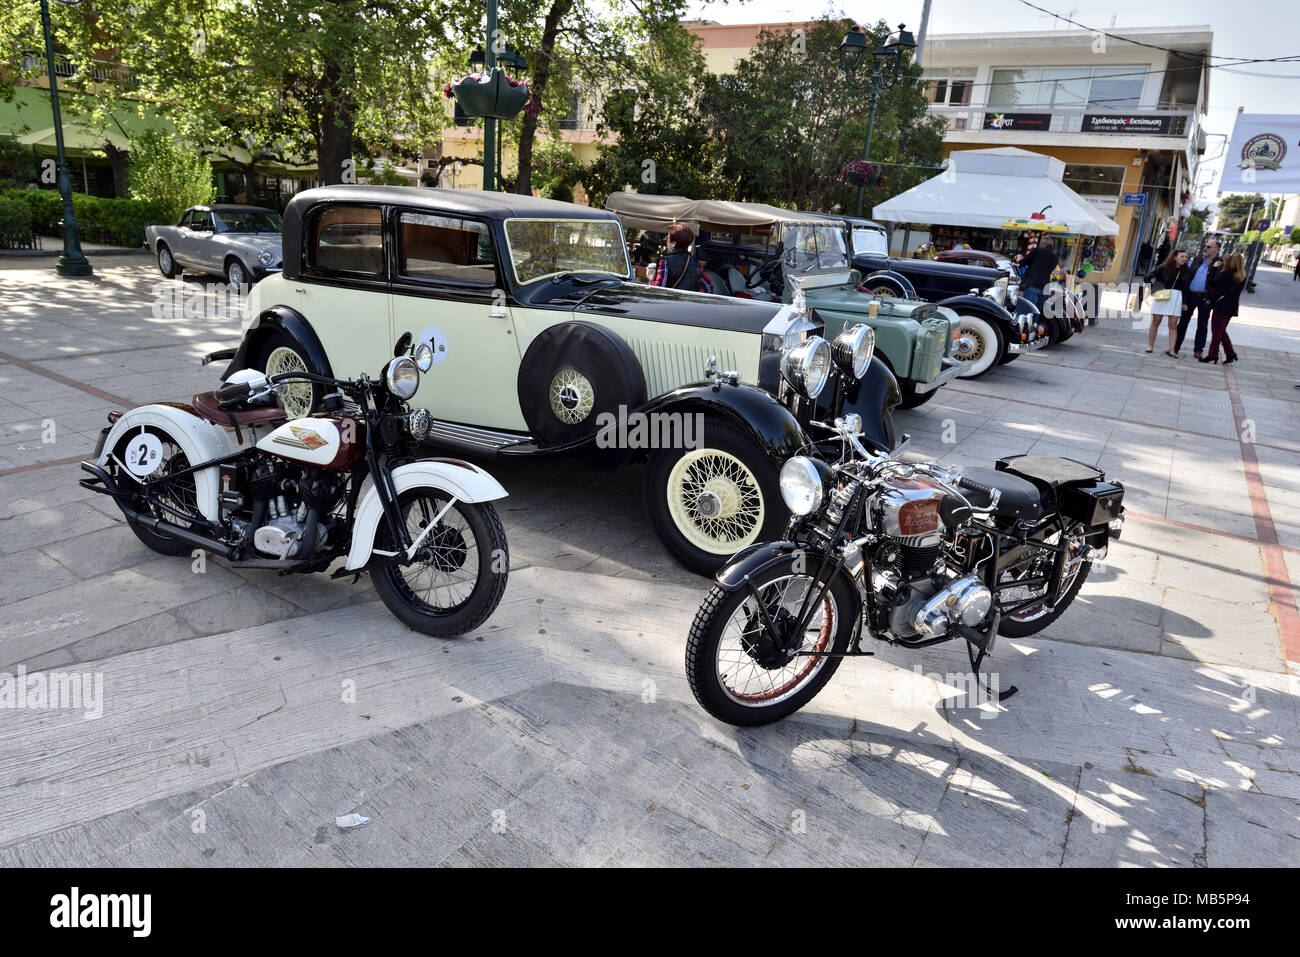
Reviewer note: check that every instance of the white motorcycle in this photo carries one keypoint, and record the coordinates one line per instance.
(230, 475)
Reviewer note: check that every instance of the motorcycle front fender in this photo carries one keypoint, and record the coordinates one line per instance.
(467, 482)
(757, 558)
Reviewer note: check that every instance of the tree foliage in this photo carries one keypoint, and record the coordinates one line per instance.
(1235, 207)
(165, 172)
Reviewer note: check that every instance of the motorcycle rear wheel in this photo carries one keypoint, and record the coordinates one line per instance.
(724, 648)
(1035, 618)
(182, 494)
(460, 572)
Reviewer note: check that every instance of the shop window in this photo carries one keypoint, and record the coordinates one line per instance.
(1116, 87)
(950, 87)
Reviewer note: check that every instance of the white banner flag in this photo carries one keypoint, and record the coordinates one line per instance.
(1263, 155)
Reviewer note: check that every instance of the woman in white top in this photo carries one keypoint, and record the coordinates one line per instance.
(1172, 276)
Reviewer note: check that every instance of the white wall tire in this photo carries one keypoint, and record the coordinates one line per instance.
(984, 349)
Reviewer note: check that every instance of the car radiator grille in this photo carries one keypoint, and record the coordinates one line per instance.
(671, 365)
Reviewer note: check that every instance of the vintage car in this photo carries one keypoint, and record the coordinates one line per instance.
(1063, 311)
(997, 325)
(544, 345)
(756, 251)
(240, 243)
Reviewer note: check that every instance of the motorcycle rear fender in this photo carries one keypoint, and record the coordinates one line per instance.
(199, 439)
(467, 482)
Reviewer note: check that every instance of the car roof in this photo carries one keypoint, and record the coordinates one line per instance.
(230, 207)
(470, 201)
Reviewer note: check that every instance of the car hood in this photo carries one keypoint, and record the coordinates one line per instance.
(658, 304)
(258, 242)
(976, 275)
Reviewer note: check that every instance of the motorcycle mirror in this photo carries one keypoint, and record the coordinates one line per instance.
(403, 345)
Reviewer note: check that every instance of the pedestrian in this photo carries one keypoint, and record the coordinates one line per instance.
(679, 269)
(1295, 273)
(1038, 271)
(1194, 304)
(1167, 284)
(1224, 293)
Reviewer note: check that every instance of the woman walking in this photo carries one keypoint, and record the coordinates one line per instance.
(1167, 284)
(1223, 290)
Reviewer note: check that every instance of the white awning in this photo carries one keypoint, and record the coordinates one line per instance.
(987, 188)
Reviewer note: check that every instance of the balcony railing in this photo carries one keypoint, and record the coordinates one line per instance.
(100, 71)
(1046, 119)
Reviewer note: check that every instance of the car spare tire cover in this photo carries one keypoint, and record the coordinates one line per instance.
(571, 375)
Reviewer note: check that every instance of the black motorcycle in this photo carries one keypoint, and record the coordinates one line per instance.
(913, 553)
(229, 473)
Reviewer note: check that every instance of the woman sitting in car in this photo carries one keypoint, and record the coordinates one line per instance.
(679, 269)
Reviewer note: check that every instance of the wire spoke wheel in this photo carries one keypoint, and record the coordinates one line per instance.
(715, 501)
(297, 395)
(750, 669)
(572, 396)
(1038, 565)
(179, 495)
(445, 572)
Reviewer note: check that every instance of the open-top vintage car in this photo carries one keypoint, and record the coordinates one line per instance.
(544, 345)
(756, 251)
(241, 243)
(997, 325)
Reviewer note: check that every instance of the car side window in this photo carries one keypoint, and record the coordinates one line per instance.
(347, 239)
(187, 218)
(445, 248)
(201, 219)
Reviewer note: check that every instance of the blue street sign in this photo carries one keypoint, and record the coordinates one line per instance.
(1135, 199)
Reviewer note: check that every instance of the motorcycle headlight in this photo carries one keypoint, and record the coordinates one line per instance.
(402, 376)
(853, 349)
(423, 356)
(808, 365)
(802, 485)
(266, 257)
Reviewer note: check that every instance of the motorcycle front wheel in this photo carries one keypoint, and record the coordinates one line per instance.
(739, 673)
(459, 572)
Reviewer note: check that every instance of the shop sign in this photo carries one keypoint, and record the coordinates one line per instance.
(1112, 123)
(1017, 121)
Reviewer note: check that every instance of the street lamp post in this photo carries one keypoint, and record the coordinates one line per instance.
(73, 262)
(887, 63)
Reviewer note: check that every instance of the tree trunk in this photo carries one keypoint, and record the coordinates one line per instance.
(541, 76)
(119, 160)
(334, 134)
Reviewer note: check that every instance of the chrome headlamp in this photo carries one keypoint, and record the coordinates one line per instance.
(854, 348)
(402, 376)
(807, 366)
(803, 484)
(266, 257)
(423, 356)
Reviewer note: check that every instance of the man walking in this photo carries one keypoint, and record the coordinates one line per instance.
(1195, 303)
(1038, 270)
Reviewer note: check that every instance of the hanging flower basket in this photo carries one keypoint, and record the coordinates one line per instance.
(862, 173)
(493, 95)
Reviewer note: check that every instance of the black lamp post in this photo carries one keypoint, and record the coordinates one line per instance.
(479, 60)
(73, 262)
(887, 63)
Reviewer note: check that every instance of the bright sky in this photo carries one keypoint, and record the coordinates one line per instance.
(1261, 28)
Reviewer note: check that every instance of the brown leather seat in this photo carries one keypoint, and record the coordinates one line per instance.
(207, 406)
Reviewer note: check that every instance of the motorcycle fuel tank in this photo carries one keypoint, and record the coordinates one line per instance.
(328, 443)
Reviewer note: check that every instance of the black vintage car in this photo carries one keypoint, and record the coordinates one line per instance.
(544, 345)
(997, 325)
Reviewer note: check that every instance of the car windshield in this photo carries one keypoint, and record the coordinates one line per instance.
(868, 240)
(813, 248)
(549, 247)
(247, 221)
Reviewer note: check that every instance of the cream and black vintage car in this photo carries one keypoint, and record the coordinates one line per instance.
(544, 344)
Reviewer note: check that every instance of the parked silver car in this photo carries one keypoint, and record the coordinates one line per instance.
(241, 243)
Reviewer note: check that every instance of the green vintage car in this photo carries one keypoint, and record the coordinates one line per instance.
(756, 251)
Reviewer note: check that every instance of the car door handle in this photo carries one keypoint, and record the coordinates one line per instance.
(497, 312)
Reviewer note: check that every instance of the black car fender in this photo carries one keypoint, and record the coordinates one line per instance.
(753, 411)
(873, 397)
(902, 286)
(292, 324)
(986, 308)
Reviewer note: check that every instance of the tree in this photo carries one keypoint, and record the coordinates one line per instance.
(655, 138)
(164, 172)
(255, 80)
(1235, 207)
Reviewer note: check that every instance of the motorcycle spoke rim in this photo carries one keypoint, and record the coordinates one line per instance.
(739, 674)
(445, 581)
(1011, 594)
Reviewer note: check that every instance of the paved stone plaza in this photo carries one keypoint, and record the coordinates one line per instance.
(1156, 724)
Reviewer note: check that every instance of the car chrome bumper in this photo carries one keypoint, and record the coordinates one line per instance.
(1033, 345)
(947, 372)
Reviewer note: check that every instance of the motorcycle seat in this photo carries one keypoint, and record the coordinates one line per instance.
(1020, 498)
(207, 406)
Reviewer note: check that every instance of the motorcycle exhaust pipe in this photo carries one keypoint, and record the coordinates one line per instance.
(148, 521)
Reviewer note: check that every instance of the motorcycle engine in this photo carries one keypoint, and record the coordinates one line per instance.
(288, 504)
(923, 597)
